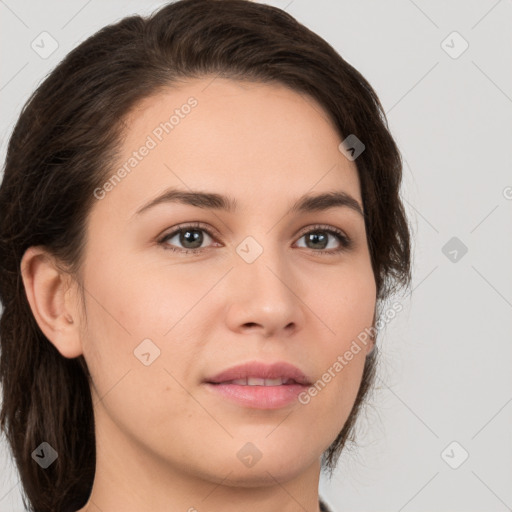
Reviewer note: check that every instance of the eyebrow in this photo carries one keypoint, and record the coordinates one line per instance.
(214, 201)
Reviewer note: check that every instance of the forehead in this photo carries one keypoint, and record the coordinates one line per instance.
(259, 139)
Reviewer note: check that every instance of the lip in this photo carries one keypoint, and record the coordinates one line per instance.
(259, 397)
(261, 370)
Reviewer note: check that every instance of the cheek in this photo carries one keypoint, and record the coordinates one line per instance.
(346, 307)
(128, 304)
(346, 304)
(330, 399)
(130, 301)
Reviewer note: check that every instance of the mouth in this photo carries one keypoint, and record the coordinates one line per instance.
(258, 385)
(257, 381)
(256, 373)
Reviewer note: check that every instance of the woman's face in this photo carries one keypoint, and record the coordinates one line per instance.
(245, 284)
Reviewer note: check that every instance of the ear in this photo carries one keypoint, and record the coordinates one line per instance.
(52, 300)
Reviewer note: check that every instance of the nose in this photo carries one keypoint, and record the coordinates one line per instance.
(264, 297)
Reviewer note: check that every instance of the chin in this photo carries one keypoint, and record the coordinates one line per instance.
(274, 464)
(262, 475)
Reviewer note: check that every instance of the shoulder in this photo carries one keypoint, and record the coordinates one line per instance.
(323, 506)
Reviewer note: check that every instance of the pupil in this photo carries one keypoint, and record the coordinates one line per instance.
(196, 239)
(315, 237)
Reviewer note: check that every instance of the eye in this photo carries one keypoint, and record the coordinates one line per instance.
(190, 236)
(318, 238)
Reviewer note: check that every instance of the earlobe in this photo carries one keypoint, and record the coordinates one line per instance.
(48, 293)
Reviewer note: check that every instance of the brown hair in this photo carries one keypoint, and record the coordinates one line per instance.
(65, 143)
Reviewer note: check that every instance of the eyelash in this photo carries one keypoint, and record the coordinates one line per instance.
(345, 241)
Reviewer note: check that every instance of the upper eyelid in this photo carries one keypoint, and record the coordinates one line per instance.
(193, 225)
(212, 232)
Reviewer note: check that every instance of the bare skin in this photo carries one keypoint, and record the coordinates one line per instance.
(164, 442)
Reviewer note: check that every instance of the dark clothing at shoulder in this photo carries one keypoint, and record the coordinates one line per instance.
(75, 506)
(323, 506)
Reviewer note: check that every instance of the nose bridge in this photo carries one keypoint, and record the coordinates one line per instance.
(264, 264)
(265, 294)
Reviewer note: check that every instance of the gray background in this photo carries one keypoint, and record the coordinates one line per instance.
(446, 358)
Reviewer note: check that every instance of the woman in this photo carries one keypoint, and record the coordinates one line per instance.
(199, 223)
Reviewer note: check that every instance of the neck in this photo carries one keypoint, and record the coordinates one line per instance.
(131, 478)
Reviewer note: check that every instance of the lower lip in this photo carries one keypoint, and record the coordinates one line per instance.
(259, 397)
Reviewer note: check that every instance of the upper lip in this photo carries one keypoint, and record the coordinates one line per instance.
(263, 371)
